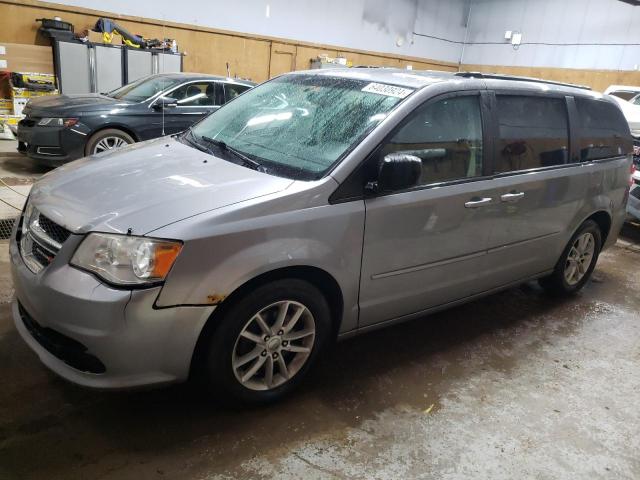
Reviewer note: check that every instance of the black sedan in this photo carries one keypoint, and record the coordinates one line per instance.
(61, 128)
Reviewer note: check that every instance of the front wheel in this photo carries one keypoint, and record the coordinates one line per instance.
(267, 341)
(577, 261)
(108, 139)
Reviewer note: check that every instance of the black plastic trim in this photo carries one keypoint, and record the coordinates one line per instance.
(70, 351)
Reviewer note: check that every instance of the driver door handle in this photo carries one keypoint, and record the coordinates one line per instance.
(476, 202)
(512, 197)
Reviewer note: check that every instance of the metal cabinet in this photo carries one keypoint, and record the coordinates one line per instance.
(139, 64)
(73, 67)
(168, 63)
(92, 67)
(109, 73)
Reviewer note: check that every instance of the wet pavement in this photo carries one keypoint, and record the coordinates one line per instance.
(17, 174)
(516, 385)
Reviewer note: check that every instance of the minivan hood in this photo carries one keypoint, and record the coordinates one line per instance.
(71, 104)
(145, 186)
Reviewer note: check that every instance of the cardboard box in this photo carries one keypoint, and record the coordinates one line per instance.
(9, 126)
(13, 99)
(19, 104)
(6, 106)
(21, 97)
(10, 119)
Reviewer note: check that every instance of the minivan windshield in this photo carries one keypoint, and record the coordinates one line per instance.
(299, 126)
(142, 89)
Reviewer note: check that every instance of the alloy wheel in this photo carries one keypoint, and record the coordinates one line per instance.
(273, 345)
(579, 258)
(109, 143)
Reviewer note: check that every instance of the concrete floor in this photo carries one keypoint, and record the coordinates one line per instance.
(17, 174)
(517, 385)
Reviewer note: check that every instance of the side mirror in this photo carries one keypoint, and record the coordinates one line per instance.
(165, 102)
(397, 171)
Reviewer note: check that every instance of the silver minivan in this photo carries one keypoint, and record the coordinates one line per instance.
(316, 206)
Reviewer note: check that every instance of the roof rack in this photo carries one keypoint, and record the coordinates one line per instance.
(500, 76)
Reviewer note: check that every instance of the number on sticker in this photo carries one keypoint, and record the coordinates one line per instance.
(388, 90)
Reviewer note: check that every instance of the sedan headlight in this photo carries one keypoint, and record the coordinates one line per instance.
(126, 260)
(57, 122)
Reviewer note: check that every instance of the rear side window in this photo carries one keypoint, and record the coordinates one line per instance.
(232, 90)
(446, 135)
(604, 132)
(533, 133)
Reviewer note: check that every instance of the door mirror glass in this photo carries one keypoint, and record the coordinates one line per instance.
(165, 102)
(398, 171)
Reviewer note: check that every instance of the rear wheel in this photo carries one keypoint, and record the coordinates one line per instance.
(577, 261)
(267, 341)
(108, 139)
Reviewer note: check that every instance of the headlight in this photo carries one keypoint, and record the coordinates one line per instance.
(126, 260)
(57, 122)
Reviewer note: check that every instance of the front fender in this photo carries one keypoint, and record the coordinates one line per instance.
(213, 266)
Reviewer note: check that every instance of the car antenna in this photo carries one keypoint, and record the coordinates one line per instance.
(162, 81)
(228, 71)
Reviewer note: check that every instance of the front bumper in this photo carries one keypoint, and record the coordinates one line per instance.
(51, 146)
(87, 324)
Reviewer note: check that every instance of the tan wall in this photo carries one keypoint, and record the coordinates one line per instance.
(208, 50)
(258, 57)
(596, 79)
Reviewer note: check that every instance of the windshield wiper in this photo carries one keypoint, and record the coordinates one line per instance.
(249, 162)
(190, 138)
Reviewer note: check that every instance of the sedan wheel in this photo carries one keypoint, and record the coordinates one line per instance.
(107, 140)
(273, 345)
(109, 143)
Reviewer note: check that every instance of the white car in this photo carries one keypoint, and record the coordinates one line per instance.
(631, 112)
(626, 92)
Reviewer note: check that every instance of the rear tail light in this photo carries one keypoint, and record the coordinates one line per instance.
(632, 170)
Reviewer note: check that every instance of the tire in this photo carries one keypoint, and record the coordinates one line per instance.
(558, 282)
(100, 141)
(224, 371)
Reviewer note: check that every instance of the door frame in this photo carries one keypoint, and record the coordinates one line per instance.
(353, 187)
(493, 127)
(363, 172)
(167, 92)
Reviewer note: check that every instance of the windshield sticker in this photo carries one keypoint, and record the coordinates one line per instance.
(388, 90)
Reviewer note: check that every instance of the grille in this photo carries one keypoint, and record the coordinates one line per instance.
(635, 193)
(40, 239)
(55, 231)
(43, 256)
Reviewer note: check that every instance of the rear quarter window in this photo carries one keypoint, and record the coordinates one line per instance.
(603, 130)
